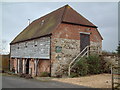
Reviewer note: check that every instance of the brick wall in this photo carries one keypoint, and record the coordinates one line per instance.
(43, 66)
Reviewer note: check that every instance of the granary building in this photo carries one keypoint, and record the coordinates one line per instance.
(51, 42)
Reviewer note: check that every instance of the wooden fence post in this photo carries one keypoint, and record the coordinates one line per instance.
(112, 78)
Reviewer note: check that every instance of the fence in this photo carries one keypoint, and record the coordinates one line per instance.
(115, 71)
(4, 62)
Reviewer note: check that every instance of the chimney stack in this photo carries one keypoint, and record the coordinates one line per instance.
(28, 21)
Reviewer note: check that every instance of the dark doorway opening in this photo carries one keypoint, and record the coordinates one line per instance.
(84, 41)
(27, 66)
(17, 66)
(20, 66)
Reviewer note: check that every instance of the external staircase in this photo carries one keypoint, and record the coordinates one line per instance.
(84, 52)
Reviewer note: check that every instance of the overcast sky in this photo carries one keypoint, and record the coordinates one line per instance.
(104, 15)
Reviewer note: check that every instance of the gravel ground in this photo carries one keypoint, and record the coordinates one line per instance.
(17, 82)
(94, 81)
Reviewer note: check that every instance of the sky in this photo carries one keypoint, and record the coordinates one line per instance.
(103, 14)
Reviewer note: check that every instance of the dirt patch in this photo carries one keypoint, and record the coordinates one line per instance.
(95, 81)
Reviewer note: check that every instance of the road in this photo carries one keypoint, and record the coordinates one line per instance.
(17, 82)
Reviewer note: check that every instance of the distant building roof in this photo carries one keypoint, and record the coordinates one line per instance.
(46, 24)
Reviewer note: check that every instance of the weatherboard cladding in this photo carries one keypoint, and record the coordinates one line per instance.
(37, 48)
(46, 24)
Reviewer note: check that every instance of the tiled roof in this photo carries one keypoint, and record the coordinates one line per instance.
(46, 24)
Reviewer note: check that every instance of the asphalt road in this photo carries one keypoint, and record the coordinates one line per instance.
(17, 82)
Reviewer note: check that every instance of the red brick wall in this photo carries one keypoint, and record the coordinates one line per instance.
(43, 66)
(32, 67)
(11, 63)
(15, 64)
(70, 31)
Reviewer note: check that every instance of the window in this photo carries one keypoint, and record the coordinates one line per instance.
(25, 44)
(18, 46)
(87, 29)
(42, 22)
(35, 43)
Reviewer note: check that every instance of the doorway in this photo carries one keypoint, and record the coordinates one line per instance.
(84, 41)
(20, 66)
(27, 66)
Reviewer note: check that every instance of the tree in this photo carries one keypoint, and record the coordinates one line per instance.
(118, 48)
(3, 47)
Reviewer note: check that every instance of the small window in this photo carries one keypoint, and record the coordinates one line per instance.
(35, 43)
(18, 46)
(42, 22)
(58, 57)
(25, 44)
(87, 29)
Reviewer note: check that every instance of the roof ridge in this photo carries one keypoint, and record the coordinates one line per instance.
(65, 7)
(50, 13)
(68, 8)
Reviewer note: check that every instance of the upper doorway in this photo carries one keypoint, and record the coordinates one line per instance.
(84, 40)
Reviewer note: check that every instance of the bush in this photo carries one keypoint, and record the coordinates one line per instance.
(81, 67)
(44, 74)
(105, 66)
(93, 64)
(73, 75)
(28, 76)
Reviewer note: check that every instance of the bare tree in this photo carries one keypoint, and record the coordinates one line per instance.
(3, 47)
(0, 47)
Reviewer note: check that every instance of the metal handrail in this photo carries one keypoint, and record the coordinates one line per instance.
(69, 68)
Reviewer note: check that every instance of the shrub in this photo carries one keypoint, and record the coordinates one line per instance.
(28, 76)
(23, 75)
(58, 75)
(93, 64)
(44, 74)
(73, 75)
(105, 66)
(81, 67)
